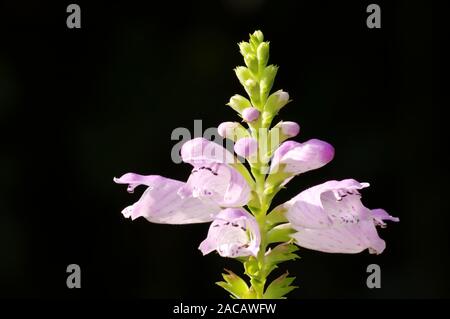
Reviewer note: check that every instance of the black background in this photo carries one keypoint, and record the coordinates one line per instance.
(80, 106)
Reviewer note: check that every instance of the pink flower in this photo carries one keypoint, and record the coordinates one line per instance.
(211, 186)
(293, 158)
(233, 233)
(330, 217)
(211, 189)
(302, 157)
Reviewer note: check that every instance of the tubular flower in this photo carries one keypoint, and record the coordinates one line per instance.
(233, 233)
(330, 217)
(211, 186)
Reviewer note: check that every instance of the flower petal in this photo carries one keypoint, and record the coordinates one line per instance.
(313, 208)
(160, 203)
(246, 147)
(380, 215)
(347, 239)
(233, 233)
(133, 180)
(219, 183)
(298, 158)
(330, 217)
(200, 151)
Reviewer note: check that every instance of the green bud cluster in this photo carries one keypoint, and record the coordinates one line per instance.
(257, 78)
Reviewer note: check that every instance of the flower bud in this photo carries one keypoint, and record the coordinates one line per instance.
(256, 38)
(232, 130)
(276, 101)
(262, 54)
(239, 103)
(288, 129)
(250, 114)
(267, 79)
(252, 89)
(245, 48)
(243, 74)
(246, 147)
(281, 132)
(251, 62)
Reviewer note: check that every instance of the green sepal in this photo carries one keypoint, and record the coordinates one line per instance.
(252, 63)
(245, 48)
(276, 101)
(243, 74)
(252, 88)
(266, 119)
(235, 285)
(239, 103)
(266, 81)
(256, 38)
(279, 287)
(262, 53)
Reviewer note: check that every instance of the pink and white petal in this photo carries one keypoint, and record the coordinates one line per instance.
(347, 239)
(279, 153)
(307, 214)
(318, 206)
(344, 207)
(374, 243)
(199, 151)
(219, 183)
(298, 158)
(351, 226)
(160, 203)
(133, 180)
(233, 233)
(380, 215)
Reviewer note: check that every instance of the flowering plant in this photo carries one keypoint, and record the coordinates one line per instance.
(329, 217)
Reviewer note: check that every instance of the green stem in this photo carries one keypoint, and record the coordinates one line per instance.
(258, 281)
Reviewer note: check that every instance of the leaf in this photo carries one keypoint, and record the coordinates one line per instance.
(282, 252)
(235, 285)
(276, 216)
(280, 233)
(280, 287)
